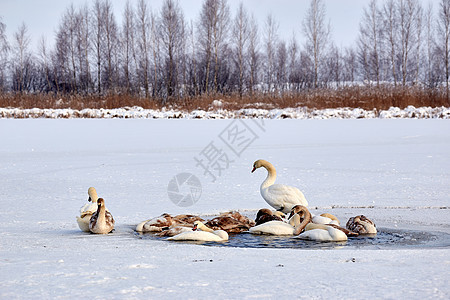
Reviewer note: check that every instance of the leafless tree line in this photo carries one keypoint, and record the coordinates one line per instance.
(159, 55)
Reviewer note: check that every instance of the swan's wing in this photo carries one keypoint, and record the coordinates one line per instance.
(315, 235)
(281, 196)
(273, 228)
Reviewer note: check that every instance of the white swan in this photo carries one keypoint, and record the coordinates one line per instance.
(88, 210)
(205, 234)
(296, 224)
(279, 196)
(102, 221)
(322, 233)
(362, 225)
(325, 218)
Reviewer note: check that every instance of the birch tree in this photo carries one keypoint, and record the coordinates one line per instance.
(317, 35)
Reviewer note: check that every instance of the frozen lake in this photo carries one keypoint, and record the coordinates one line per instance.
(396, 172)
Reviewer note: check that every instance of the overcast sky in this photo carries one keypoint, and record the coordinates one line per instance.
(42, 16)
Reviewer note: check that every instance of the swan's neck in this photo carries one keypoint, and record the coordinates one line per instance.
(298, 229)
(101, 219)
(271, 176)
(204, 228)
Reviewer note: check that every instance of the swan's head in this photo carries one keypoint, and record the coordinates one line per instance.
(302, 211)
(100, 202)
(259, 163)
(262, 212)
(197, 225)
(92, 195)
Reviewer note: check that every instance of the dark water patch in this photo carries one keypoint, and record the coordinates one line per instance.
(386, 238)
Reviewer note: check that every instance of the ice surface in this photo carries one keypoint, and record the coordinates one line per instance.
(394, 171)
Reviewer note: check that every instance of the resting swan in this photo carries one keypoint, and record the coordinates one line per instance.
(166, 221)
(231, 222)
(88, 210)
(205, 234)
(265, 215)
(324, 218)
(296, 225)
(322, 233)
(279, 196)
(362, 225)
(102, 221)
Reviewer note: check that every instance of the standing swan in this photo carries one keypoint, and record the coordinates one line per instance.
(101, 221)
(204, 235)
(279, 196)
(88, 210)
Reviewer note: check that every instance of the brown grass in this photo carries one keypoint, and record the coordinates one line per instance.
(367, 98)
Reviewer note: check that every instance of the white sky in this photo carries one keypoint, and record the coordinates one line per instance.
(42, 16)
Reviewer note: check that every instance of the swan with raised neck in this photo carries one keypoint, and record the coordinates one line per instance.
(101, 222)
(279, 196)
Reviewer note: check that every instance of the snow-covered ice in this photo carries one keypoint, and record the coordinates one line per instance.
(394, 171)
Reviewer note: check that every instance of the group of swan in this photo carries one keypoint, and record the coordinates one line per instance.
(95, 218)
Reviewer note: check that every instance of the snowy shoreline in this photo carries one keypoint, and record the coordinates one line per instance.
(136, 112)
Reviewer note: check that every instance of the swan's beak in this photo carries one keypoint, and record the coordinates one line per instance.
(291, 214)
(195, 227)
(254, 168)
(89, 199)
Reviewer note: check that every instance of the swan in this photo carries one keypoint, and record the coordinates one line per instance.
(166, 221)
(324, 218)
(172, 231)
(205, 234)
(295, 225)
(88, 210)
(322, 233)
(265, 215)
(231, 222)
(362, 225)
(279, 196)
(101, 221)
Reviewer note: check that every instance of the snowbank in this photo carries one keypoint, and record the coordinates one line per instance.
(216, 112)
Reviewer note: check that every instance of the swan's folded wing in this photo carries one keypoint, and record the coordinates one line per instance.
(286, 194)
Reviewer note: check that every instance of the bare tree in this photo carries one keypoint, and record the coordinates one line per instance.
(390, 22)
(369, 43)
(44, 62)
(270, 46)
(293, 57)
(143, 45)
(22, 60)
(172, 39)
(281, 66)
(4, 49)
(408, 11)
(110, 46)
(128, 46)
(213, 39)
(98, 39)
(253, 53)
(443, 39)
(317, 37)
(240, 38)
